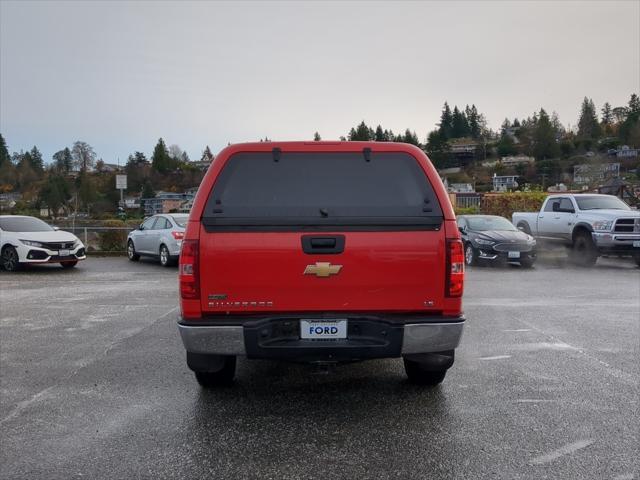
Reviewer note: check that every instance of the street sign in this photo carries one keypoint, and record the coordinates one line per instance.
(121, 182)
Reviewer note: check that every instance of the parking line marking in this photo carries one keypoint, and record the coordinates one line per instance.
(560, 452)
(518, 330)
(497, 357)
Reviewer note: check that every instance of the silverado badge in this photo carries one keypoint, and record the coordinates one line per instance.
(322, 269)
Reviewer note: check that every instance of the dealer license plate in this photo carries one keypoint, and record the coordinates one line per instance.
(514, 254)
(636, 243)
(323, 329)
(64, 253)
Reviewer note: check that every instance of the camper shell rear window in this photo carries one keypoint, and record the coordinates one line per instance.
(298, 189)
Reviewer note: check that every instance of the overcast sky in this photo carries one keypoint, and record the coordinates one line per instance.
(119, 75)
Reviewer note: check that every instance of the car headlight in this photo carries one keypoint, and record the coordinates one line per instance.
(531, 240)
(31, 243)
(481, 241)
(77, 243)
(602, 225)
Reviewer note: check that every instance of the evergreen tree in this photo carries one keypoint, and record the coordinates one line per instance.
(4, 152)
(588, 126)
(55, 192)
(361, 133)
(438, 148)
(446, 122)
(630, 127)
(63, 160)
(504, 127)
(607, 114)
(140, 158)
(147, 190)
(185, 158)
(160, 160)
(634, 105)
(36, 159)
(506, 146)
(379, 136)
(475, 127)
(316, 137)
(544, 138)
(86, 190)
(460, 125)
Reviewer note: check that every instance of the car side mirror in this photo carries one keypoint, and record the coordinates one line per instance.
(462, 229)
(141, 227)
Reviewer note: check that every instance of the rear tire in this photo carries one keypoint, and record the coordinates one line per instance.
(68, 265)
(419, 375)
(131, 252)
(470, 255)
(9, 259)
(165, 256)
(584, 251)
(222, 377)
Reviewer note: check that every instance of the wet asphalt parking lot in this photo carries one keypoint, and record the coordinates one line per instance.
(545, 386)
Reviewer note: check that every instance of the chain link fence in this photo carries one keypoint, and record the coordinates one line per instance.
(98, 239)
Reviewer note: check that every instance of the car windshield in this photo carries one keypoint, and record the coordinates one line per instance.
(481, 224)
(24, 224)
(601, 203)
(181, 220)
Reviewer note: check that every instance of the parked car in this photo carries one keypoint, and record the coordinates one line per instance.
(589, 224)
(29, 240)
(159, 236)
(490, 238)
(316, 253)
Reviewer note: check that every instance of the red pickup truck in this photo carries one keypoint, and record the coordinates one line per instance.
(323, 253)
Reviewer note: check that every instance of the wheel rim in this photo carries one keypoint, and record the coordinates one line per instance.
(130, 250)
(468, 255)
(9, 259)
(164, 255)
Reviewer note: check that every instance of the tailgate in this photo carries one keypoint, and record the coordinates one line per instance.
(377, 271)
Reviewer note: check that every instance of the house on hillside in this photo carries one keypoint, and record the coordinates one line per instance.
(513, 160)
(504, 183)
(165, 202)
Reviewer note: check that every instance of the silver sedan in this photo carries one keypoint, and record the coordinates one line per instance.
(159, 236)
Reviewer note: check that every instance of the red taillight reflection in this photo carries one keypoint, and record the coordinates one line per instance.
(177, 235)
(455, 268)
(189, 278)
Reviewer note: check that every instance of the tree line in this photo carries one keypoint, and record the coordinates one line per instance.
(75, 173)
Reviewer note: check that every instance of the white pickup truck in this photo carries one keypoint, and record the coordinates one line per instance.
(590, 224)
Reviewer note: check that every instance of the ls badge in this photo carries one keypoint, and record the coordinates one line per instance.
(322, 269)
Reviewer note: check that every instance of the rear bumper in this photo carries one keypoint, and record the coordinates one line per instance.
(279, 338)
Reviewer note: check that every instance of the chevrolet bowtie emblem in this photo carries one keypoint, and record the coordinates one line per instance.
(322, 269)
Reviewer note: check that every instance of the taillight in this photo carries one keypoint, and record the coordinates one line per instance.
(189, 277)
(455, 268)
(177, 235)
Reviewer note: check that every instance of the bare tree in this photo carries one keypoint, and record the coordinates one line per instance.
(175, 152)
(83, 156)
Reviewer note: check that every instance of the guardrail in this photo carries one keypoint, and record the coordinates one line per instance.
(101, 239)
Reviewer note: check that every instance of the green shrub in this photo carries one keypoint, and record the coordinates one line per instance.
(504, 204)
(467, 210)
(113, 240)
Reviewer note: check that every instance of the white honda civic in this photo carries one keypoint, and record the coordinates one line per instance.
(29, 240)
